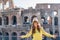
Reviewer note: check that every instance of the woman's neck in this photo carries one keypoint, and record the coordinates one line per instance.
(35, 27)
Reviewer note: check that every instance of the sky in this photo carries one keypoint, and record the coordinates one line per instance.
(30, 3)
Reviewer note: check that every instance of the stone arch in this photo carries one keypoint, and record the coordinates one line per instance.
(6, 33)
(23, 33)
(6, 20)
(56, 32)
(51, 32)
(55, 21)
(0, 36)
(6, 36)
(0, 33)
(14, 20)
(14, 36)
(26, 19)
(33, 17)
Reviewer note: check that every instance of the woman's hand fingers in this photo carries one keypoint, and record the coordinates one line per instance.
(54, 36)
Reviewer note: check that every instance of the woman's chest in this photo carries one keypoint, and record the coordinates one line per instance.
(37, 33)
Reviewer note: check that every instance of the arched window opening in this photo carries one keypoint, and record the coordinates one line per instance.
(33, 17)
(14, 36)
(22, 33)
(0, 36)
(6, 36)
(56, 21)
(6, 20)
(14, 20)
(26, 20)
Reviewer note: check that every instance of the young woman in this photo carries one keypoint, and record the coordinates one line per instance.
(37, 32)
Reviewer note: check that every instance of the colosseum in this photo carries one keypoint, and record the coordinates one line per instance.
(15, 21)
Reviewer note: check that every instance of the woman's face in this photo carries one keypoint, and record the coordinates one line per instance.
(35, 24)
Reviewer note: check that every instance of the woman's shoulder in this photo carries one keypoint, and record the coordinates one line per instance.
(41, 28)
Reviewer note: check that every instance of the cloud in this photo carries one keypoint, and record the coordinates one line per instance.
(31, 3)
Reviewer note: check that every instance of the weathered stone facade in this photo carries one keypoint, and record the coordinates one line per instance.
(17, 21)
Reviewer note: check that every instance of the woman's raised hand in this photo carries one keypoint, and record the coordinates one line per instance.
(54, 36)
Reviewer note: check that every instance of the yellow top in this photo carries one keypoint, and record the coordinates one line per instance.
(37, 35)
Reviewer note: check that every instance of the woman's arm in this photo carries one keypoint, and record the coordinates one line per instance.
(27, 35)
(45, 33)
